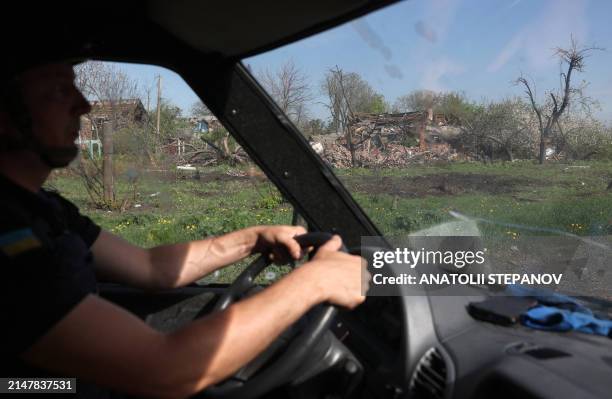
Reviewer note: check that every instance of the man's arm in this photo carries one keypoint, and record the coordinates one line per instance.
(176, 265)
(102, 343)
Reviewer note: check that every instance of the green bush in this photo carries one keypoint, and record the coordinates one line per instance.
(604, 153)
(130, 141)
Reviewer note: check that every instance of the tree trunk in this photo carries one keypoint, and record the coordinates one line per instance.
(225, 146)
(545, 133)
(351, 147)
(107, 169)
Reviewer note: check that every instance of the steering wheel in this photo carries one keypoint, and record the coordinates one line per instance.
(257, 377)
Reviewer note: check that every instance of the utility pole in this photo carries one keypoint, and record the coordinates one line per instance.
(107, 164)
(158, 103)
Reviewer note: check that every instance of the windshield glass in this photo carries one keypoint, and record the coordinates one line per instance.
(459, 117)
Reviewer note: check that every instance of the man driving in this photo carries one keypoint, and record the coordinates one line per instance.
(52, 256)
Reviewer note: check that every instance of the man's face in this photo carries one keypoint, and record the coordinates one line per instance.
(55, 106)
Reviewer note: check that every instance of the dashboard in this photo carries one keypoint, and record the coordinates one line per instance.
(430, 347)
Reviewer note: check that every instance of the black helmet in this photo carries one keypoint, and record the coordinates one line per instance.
(33, 34)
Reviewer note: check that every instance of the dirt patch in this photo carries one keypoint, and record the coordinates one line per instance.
(439, 184)
(171, 176)
(218, 177)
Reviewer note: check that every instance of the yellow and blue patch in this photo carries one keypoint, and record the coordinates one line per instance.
(18, 241)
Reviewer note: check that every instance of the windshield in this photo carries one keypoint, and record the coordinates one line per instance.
(459, 117)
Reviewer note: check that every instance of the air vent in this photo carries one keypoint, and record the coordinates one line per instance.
(429, 378)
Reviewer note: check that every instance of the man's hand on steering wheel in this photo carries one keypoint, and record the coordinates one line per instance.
(331, 277)
(341, 277)
(328, 269)
(279, 243)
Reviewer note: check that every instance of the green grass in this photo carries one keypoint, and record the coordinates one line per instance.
(553, 196)
(556, 196)
(178, 210)
(182, 210)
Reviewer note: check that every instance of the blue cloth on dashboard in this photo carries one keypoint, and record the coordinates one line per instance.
(557, 312)
(549, 298)
(554, 319)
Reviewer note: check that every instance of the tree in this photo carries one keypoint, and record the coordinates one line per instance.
(289, 88)
(109, 85)
(582, 137)
(348, 94)
(418, 100)
(378, 104)
(549, 112)
(504, 126)
(315, 127)
(171, 124)
(454, 105)
(105, 82)
(198, 109)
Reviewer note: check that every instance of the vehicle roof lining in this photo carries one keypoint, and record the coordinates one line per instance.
(212, 29)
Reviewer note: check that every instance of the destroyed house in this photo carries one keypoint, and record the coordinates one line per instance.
(380, 129)
(122, 114)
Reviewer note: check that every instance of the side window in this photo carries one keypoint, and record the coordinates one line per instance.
(162, 171)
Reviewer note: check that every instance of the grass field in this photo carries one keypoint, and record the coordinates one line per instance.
(572, 198)
(165, 208)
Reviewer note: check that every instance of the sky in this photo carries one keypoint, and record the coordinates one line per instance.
(478, 47)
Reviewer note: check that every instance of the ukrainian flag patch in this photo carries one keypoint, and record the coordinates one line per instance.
(18, 241)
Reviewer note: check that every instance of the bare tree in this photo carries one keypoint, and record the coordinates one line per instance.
(108, 85)
(289, 88)
(348, 94)
(549, 112)
(199, 109)
(341, 105)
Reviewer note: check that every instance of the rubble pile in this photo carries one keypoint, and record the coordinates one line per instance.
(392, 155)
(391, 140)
